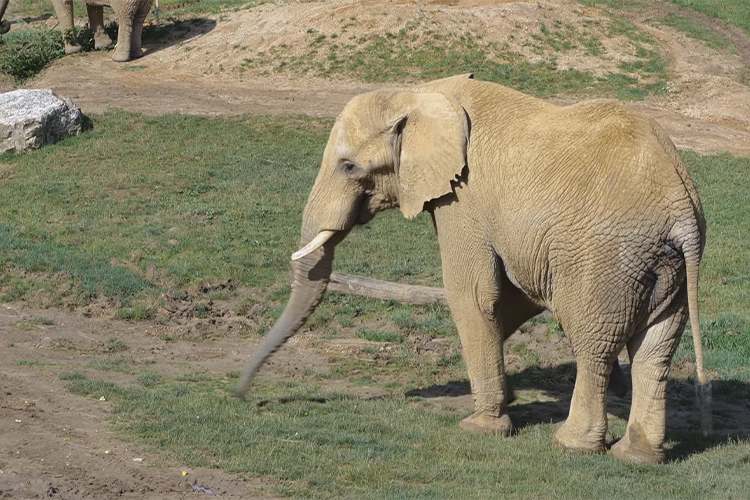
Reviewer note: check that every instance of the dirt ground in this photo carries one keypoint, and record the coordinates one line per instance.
(57, 445)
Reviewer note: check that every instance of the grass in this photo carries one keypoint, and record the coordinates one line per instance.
(321, 444)
(695, 30)
(735, 12)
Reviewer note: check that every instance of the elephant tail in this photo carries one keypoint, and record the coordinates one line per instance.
(703, 385)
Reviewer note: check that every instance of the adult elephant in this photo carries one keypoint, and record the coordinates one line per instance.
(585, 210)
(130, 16)
(4, 25)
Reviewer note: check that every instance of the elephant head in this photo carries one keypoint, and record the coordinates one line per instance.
(4, 25)
(387, 149)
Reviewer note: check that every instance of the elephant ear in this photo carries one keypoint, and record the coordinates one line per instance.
(430, 142)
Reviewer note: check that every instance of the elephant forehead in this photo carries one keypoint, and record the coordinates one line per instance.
(344, 138)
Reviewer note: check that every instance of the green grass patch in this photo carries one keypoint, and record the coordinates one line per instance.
(98, 213)
(695, 29)
(735, 12)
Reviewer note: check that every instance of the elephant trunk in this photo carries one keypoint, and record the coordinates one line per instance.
(4, 24)
(311, 274)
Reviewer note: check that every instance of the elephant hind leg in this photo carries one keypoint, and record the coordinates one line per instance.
(96, 23)
(650, 354)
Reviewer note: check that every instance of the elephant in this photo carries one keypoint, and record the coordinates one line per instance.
(585, 210)
(130, 16)
(4, 24)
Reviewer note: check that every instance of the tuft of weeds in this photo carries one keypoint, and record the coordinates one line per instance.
(115, 345)
(379, 335)
(139, 312)
(149, 379)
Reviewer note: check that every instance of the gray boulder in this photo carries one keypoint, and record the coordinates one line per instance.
(32, 118)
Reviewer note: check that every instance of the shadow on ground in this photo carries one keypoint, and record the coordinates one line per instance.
(730, 406)
(160, 36)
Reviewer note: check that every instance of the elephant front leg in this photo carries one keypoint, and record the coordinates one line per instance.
(471, 286)
(483, 353)
(64, 13)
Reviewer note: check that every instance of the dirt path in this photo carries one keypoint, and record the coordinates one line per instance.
(57, 445)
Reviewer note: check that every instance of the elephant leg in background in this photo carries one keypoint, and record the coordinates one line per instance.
(650, 354)
(64, 13)
(96, 23)
(516, 309)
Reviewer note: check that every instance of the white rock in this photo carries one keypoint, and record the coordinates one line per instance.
(32, 118)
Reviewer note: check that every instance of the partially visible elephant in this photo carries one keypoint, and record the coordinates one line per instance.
(4, 25)
(130, 17)
(586, 210)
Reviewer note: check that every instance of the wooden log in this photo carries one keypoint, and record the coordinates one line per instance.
(386, 290)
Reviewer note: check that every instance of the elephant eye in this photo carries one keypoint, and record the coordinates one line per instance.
(348, 167)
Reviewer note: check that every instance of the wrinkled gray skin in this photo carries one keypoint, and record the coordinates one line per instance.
(130, 16)
(4, 25)
(585, 210)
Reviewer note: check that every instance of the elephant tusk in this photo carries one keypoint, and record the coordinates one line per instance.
(316, 243)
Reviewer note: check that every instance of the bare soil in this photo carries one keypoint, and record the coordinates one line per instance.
(57, 445)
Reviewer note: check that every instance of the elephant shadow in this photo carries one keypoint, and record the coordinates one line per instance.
(160, 36)
(552, 388)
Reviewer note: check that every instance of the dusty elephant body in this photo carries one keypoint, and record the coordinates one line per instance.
(130, 16)
(585, 210)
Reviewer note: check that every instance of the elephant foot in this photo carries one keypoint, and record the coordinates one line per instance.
(633, 447)
(102, 42)
(72, 49)
(481, 422)
(120, 56)
(573, 442)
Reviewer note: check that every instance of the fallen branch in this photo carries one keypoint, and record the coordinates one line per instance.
(386, 290)
(383, 290)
